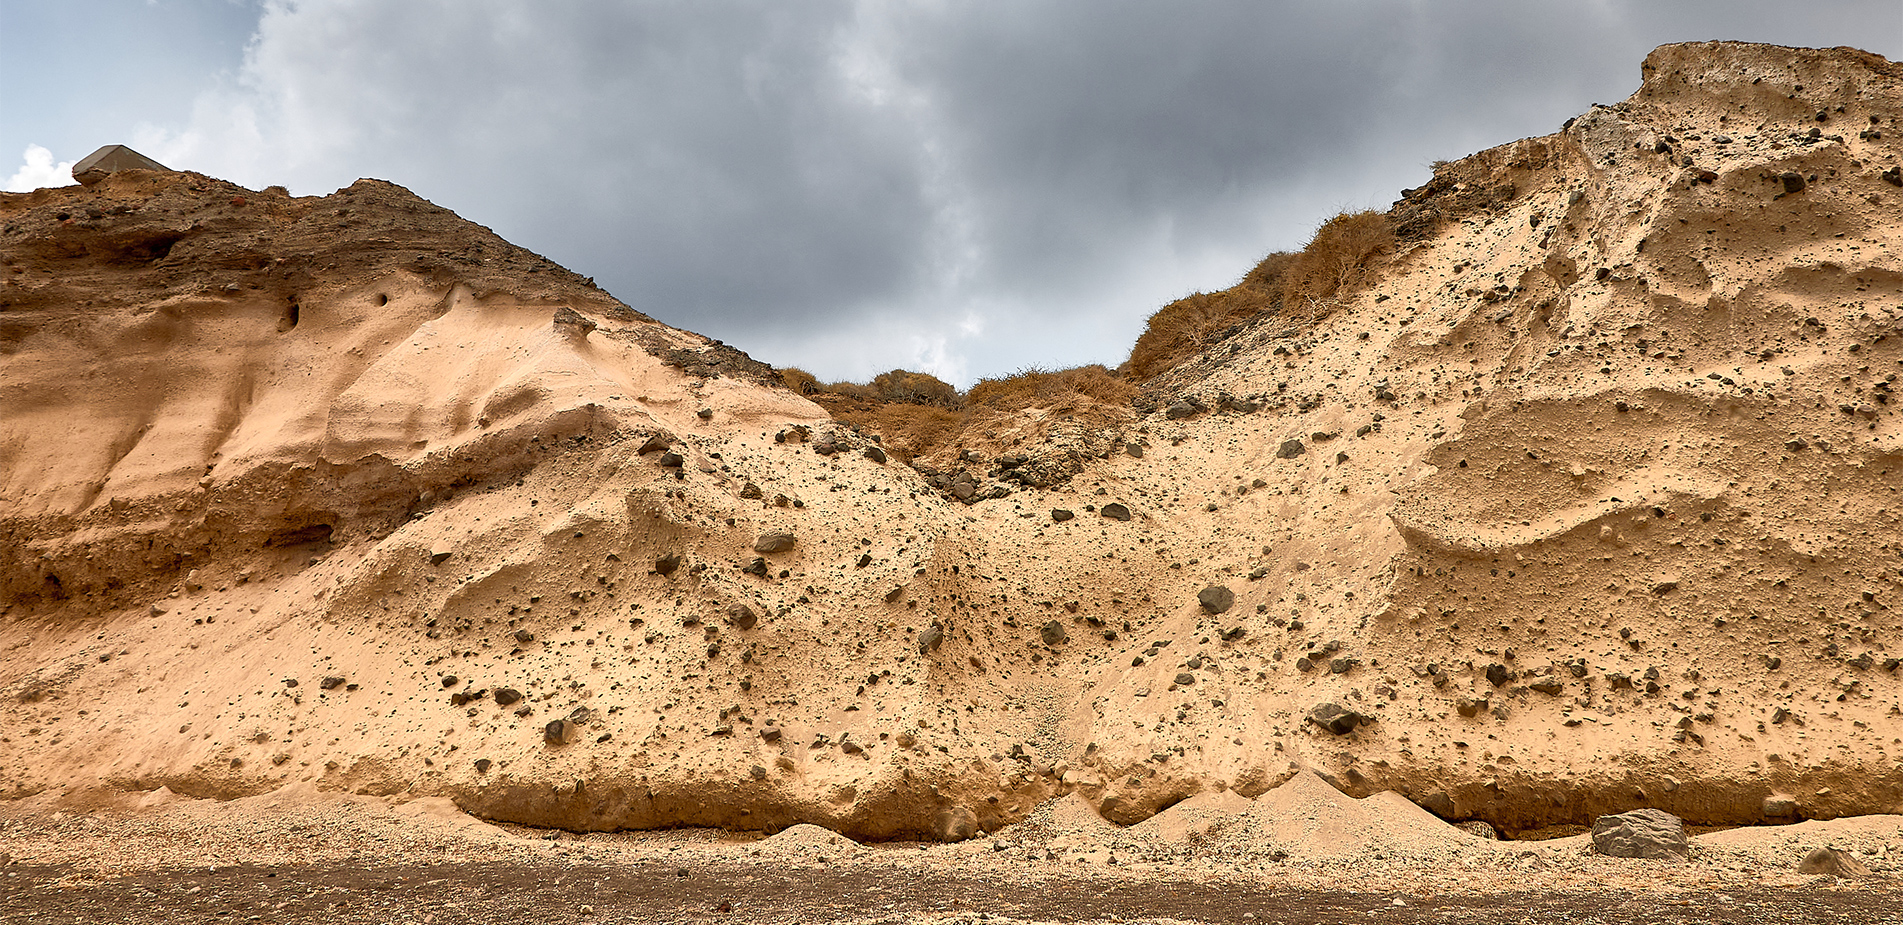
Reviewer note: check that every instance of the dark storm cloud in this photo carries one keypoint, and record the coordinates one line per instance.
(961, 187)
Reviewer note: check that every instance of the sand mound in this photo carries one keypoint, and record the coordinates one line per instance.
(806, 839)
(1306, 819)
(1192, 819)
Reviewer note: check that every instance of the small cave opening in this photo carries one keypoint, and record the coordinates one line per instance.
(289, 321)
(383, 299)
(298, 536)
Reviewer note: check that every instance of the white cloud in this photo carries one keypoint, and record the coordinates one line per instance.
(40, 171)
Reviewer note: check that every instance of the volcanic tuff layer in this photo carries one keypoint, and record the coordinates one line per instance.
(1586, 501)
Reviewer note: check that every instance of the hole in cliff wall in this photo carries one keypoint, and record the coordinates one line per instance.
(289, 320)
(383, 299)
(140, 249)
(298, 536)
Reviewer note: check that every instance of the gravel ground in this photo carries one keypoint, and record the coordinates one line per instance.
(295, 858)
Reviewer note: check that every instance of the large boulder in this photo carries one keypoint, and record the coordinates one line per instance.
(1641, 833)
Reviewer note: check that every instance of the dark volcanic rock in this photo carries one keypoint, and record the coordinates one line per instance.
(1338, 719)
(1216, 599)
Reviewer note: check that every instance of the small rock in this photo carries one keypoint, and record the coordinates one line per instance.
(770, 543)
(1053, 633)
(1498, 675)
(524, 637)
(1060, 515)
(1469, 708)
(1779, 807)
(1832, 862)
(654, 443)
(560, 732)
(1290, 449)
(1338, 719)
(770, 733)
(331, 683)
(507, 696)
(875, 454)
(1793, 182)
(1184, 679)
(439, 557)
(955, 823)
(1641, 833)
(929, 639)
(667, 565)
(1216, 599)
(1133, 450)
(1548, 686)
(1115, 511)
(671, 460)
(483, 765)
(1179, 410)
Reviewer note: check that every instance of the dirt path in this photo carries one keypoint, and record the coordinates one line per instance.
(516, 893)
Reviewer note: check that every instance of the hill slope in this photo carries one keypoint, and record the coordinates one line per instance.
(1584, 501)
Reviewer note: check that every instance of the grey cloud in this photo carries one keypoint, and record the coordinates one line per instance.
(976, 186)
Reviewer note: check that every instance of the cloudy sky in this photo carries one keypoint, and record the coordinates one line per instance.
(964, 188)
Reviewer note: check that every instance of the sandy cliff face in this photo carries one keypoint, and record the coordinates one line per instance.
(1586, 502)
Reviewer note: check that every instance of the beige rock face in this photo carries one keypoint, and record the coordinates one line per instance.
(1605, 452)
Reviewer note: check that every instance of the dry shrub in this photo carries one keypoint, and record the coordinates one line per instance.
(799, 381)
(907, 430)
(1341, 248)
(914, 389)
(1187, 326)
(851, 390)
(1063, 389)
(919, 415)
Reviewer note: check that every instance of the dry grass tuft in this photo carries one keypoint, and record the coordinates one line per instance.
(1300, 286)
(1187, 326)
(1335, 257)
(1059, 390)
(799, 381)
(914, 389)
(917, 414)
(909, 431)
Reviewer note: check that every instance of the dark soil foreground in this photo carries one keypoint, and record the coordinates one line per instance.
(515, 894)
